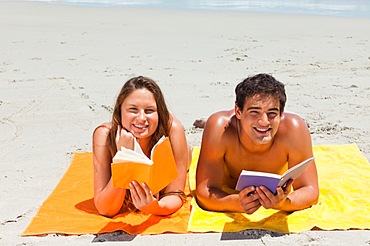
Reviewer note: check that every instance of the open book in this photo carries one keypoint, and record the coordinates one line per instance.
(270, 180)
(157, 171)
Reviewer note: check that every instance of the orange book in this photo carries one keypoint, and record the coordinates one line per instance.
(157, 171)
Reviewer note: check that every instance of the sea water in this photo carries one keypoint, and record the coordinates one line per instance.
(349, 8)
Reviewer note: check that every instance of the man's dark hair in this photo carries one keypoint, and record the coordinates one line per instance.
(260, 84)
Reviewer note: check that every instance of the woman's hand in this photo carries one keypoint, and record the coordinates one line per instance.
(143, 198)
(124, 138)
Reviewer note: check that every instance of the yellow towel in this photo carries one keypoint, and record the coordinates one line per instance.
(70, 209)
(344, 175)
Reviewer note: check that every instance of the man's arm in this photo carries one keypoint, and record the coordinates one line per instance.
(306, 188)
(210, 169)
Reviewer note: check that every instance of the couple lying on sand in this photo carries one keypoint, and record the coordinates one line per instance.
(256, 135)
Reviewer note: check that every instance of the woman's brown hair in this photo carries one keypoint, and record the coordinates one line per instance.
(164, 117)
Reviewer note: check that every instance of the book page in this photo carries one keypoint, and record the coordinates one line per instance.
(137, 148)
(295, 171)
(128, 155)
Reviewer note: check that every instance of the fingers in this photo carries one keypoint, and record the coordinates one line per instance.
(247, 191)
(251, 206)
(288, 186)
(249, 200)
(118, 135)
(147, 192)
(124, 138)
(268, 199)
(141, 195)
(136, 190)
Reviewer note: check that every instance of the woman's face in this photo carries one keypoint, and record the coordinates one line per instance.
(139, 113)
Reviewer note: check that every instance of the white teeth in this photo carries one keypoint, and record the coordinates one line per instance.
(262, 130)
(141, 127)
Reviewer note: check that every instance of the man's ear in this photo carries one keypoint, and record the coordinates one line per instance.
(238, 112)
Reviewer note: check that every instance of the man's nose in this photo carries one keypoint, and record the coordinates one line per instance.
(264, 120)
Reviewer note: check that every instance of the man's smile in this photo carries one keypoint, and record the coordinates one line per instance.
(262, 130)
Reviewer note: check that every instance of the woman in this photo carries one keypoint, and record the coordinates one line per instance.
(140, 113)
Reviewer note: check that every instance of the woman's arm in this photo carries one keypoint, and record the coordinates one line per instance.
(108, 199)
(182, 154)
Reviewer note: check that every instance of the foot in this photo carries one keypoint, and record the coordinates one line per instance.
(199, 123)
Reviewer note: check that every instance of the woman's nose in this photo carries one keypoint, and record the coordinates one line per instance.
(142, 115)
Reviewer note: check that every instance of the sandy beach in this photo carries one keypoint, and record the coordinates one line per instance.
(62, 66)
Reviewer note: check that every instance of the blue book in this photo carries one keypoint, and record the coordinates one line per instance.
(270, 180)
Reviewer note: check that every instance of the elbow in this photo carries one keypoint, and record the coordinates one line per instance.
(316, 198)
(105, 211)
(315, 194)
(201, 199)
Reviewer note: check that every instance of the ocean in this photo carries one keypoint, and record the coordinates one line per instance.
(346, 8)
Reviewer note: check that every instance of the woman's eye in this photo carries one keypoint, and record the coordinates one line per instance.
(149, 111)
(133, 110)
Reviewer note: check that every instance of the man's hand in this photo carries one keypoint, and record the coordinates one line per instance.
(249, 200)
(269, 200)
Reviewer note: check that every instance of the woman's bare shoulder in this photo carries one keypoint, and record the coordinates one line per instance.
(175, 124)
(102, 130)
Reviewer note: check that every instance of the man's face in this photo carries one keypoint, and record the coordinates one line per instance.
(260, 118)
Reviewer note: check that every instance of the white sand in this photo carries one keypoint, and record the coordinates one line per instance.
(61, 68)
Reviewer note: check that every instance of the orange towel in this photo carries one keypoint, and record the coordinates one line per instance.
(70, 209)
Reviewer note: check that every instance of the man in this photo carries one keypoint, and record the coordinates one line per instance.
(257, 136)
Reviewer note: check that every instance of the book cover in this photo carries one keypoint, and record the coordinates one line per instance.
(157, 171)
(270, 180)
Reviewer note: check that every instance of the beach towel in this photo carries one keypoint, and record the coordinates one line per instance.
(70, 209)
(344, 201)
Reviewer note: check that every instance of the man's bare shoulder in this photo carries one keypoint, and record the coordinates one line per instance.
(220, 119)
(292, 128)
(293, 120)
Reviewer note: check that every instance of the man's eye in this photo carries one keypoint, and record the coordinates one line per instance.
(272, 115)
